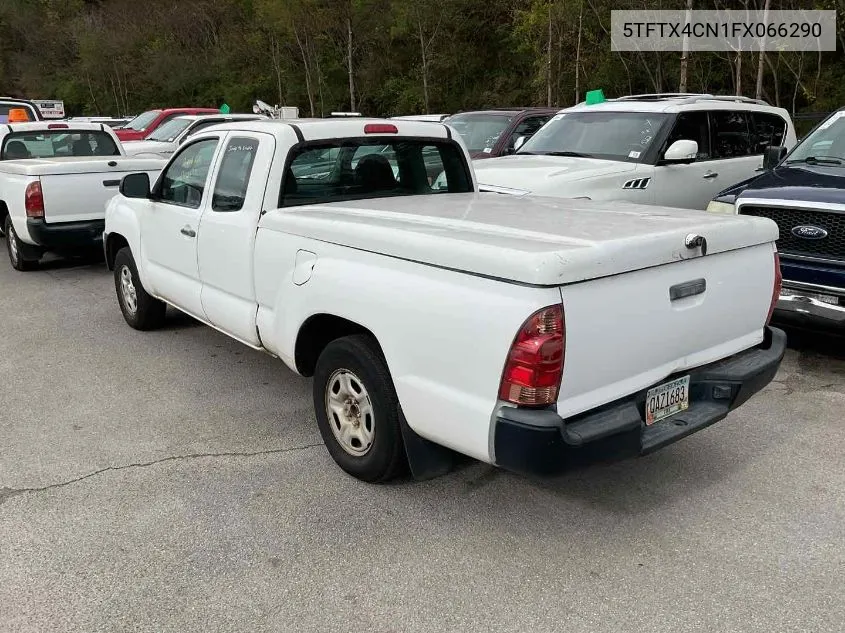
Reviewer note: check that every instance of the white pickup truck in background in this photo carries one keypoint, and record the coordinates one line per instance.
(508, 329)
(55, 180)
(166, 138)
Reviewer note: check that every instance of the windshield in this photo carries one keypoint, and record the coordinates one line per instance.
(170, 130)
(57, 144)
(480, 131)
(826, 144)
(142, 121)
(622, 136)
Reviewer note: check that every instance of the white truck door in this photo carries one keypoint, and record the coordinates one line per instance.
(169, 229)
(227, 234)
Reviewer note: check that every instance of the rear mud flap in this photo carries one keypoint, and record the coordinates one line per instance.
(426, 459)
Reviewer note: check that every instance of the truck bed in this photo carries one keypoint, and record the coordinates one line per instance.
(531, 240)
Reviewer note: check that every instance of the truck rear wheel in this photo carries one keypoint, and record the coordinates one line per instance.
(357, 409)
(141, 310)
(17, 255)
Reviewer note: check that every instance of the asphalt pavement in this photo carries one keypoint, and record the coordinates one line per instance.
(176, 481)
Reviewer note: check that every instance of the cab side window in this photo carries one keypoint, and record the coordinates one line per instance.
(692, 126)
(183, 183)
(766, 129)
(729, 131)
(233, 177)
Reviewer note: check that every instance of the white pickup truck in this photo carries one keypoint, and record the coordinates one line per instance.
(55, 180)
(508, 329)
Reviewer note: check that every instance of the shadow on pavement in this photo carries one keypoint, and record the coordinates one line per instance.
(824, 342)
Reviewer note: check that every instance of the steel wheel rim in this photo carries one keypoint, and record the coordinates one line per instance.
(127, 289)
(350, 412)
(12, 243)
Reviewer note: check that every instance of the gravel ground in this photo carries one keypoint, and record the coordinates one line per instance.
(175, 481)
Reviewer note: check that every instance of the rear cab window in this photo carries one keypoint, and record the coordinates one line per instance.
(357, 169)
(61, 143)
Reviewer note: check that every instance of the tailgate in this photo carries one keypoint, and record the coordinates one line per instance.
(81, 196)
(624, 333)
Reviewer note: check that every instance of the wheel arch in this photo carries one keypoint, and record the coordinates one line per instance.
(114, 242)
(426, 459)
(316, 332)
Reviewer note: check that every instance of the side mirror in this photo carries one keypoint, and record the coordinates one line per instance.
(519, 143)
(135, 186)
(772, 155)
(680, 152)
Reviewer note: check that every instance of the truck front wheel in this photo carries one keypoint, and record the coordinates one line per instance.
(141, 310)
(357, 409)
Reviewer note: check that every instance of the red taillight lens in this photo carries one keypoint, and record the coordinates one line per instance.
(775, 288)
(380, 128)
(534, 366)
(57, 126)
(34, 200)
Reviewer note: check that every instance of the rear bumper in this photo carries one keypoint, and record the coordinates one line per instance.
(66, 236)
(539, 441)
(800, 304)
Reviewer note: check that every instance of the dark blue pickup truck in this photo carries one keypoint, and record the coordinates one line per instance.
(804, 193)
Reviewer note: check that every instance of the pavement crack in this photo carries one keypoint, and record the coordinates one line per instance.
(9, 493)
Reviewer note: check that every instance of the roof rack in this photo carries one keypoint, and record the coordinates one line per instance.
(654, 96)
(687, 97)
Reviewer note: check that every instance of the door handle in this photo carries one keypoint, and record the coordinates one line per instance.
(710, 174)
(187, 230)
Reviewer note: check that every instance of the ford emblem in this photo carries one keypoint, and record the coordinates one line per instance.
(809, 232)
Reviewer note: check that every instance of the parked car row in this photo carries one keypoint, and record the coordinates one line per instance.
(317, 241)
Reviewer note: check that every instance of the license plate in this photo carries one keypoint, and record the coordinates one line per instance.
(666, 399)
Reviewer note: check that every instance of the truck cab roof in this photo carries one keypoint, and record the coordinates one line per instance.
(325, 129)
(39, 126)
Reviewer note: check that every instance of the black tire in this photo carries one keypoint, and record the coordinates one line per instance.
(149, 311)
(16, 250)
(361, 357)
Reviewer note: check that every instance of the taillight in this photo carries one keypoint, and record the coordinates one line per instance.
(34, 200)
(534, 366)
(775, 288)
